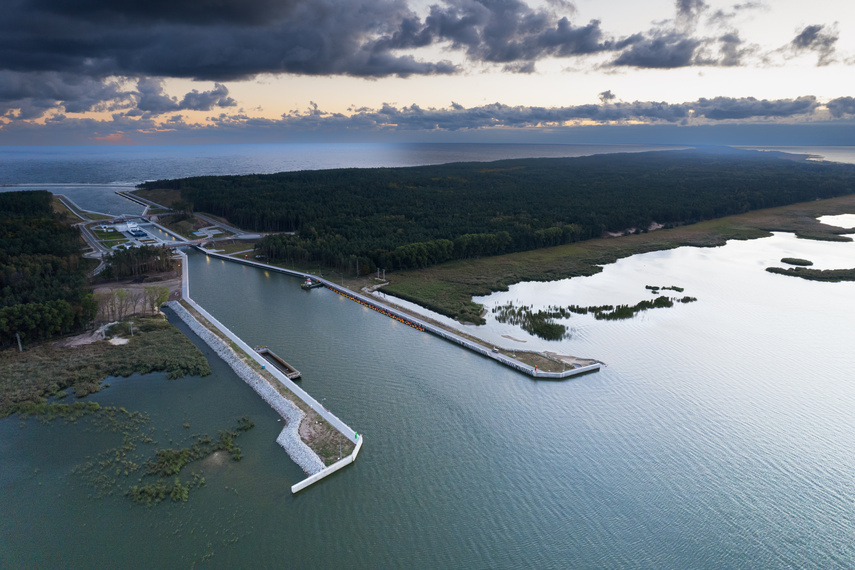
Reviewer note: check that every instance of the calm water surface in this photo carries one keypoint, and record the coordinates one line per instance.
(131, 165)
(719, 435)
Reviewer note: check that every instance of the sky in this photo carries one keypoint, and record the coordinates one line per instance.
(243, 71)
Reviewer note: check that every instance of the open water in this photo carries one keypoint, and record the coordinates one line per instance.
(720, 434)
(129, 165)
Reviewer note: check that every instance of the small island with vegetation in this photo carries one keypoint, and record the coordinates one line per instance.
(828, 275)
(542, 323)
(796, 261)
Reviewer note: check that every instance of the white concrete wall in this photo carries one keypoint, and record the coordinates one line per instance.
(438, 331)
(344, 462)
(339, 425)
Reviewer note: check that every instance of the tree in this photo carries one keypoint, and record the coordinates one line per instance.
(155, 296)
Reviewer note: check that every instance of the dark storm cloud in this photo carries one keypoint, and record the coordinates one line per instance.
(500, 31)
(665, 50)
(674, 44)
(841, 106)
(818, 39)
(30, 95)
(214, 39)
(149, 11)
(728, 108)
(152, 99)
(458, 118)
(689, 11)
(26, 96)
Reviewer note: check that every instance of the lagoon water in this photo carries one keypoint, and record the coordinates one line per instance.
(720, 434)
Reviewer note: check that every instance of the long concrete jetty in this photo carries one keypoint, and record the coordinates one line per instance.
(417, 322)
(333, 420)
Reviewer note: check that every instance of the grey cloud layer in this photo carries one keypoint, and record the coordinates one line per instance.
(496, 114)
(110, 55)
(223, 40)
(416, 122)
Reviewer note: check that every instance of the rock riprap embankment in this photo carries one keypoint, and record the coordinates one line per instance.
(289, 439)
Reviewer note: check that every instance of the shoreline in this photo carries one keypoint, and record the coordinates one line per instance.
(289, 438)
(258, 381)
(422, 324)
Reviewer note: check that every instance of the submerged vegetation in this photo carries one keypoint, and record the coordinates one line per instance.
(29, 377)
(542, 323)
(538, 323)
(168, 463)
(107, 472)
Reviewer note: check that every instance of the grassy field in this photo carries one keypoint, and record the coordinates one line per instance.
(448, 288)
(44, 370)
(159, 196)
(228, 248)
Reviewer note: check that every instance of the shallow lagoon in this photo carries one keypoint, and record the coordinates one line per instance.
(719, 435)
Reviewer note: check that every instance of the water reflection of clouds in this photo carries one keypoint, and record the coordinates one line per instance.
(734, 273)
(840, 220)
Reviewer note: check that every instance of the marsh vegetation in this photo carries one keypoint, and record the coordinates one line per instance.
(43, 370)
(830, 275)
(107, 473)
(541, 323)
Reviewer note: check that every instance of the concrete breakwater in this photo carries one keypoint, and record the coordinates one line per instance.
(288, 439)
(420, 324)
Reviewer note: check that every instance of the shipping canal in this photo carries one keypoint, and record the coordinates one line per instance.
(720, 434)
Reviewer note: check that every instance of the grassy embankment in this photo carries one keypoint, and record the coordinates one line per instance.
(45, 370)
(109, 239)
(59, 206)
(448, 288)
(159, 196)
(315, 431)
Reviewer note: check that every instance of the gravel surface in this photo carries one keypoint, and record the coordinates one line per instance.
(289, 439)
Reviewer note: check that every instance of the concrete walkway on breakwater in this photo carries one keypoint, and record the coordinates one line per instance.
(428, 327)
(285, 440)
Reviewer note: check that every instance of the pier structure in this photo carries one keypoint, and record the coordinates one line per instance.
(417, 323)
(333, 420)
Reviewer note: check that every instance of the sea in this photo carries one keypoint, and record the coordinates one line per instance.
(719, 433)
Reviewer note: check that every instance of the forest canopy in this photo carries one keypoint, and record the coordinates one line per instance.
(399, 218)
(42, 282)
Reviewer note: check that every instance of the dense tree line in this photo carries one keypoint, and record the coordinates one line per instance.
(134, 261)
(414, 217)
(42, 282)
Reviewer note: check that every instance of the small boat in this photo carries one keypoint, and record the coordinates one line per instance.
(309, 284)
